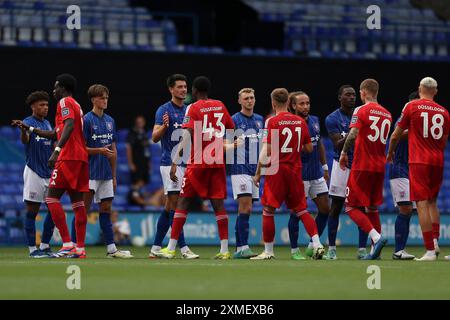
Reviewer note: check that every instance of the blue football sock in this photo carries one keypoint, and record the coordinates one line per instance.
(321, 222)
(243, 228)
(74, 231)
(181, 241)
(236, 232)
(107, 227)
(362, 238)
(333, 225)
(401, 231)
(49, 226)
(162, 227)
(293, 228)
(30, 228)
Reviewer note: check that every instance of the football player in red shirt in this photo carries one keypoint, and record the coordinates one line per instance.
(428, 128)
(205, 122)
(369, 130)
(287, 135)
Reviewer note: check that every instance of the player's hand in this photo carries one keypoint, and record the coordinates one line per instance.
(166, 119)
(326, 175)
(343, 161)
(390, 157)
(173, 173)
(20, 124)
(256, 179)
(53, 158)
(114, 184)
(132, 167)
(107, 152)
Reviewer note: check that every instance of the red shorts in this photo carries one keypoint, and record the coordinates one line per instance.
(365, 188)
(285, 186)
(70, 175)
(425, 181)
(207, 183)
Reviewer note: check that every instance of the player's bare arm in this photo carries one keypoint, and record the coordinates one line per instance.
(396, 136)
(24, 136)
(65, 135)
(185, 138)
(113, 163)
(308, 147)
(106, 151)
(42, 133)
(349, 143)
(264, 157)
(323, 160)
(160, 130)
(338, 140)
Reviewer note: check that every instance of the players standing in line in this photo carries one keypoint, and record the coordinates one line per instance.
(428, 127)
(243, 169)
(369, 131)
(337, 124)
(169, 117)
(69, 162)
(205, 122)
(288, 134)
(314, 174)
(399, 180)
(100, 134)
(36, 174)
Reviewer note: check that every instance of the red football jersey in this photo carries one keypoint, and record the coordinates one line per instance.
(293, 134)
(75, 147)
(208, 119)
(428, 125)
(374, 123)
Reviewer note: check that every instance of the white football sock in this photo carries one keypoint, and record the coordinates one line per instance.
(245, 247)
(316, 241)
(294, 250)
(172, 244)
(374, 235)
(331, 247)
(310, 245)
(155, 248)
(268, 247)
(224, 246)
(184, 249)
(68, 244)
(44, 246)
(430, 253)
(32, 249)
(111, 248)
(80, 249)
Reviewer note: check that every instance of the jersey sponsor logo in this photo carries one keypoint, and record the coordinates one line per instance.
(65, 111)
(102, 136)
(177, 125)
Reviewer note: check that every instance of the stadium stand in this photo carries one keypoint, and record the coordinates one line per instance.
(12, 163)
(319, 29)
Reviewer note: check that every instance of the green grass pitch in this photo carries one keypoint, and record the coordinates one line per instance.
(142, 278)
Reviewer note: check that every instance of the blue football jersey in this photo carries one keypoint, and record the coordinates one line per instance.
(176, 117)
(99, 132)
(399, 167)
(339, 122)
(38, 150)
(311, 166)
(246, 157)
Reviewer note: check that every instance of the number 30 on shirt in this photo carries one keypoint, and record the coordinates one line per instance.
(379, 133)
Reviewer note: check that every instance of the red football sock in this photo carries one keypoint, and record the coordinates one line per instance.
(268, 227)
(374, 218)
(436, 229)
(179, 218)
(359, 218)
(428, 240)
(222, 224)
(80, 222)
(308, 222)
(58, 217)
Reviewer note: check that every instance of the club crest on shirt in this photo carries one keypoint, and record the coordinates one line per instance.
(316, 127)
(259, 124)
(109, 126)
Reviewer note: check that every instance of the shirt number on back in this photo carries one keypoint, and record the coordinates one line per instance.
(385, 127)
(288, 132)
(436, 125)
(208, 128)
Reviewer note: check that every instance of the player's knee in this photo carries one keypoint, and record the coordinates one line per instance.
(106, 207)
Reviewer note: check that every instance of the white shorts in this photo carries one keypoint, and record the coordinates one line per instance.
(169, 185)
(34, 187)
(243, 185)
(400, 191)
(103, 189)
(338, 181)
(313, 188)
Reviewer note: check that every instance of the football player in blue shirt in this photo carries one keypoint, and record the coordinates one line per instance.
(314, 172)
(399, 180)
(169, 118)
(248, 128)
(36, 174)
(337, 124)
(100, 133)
